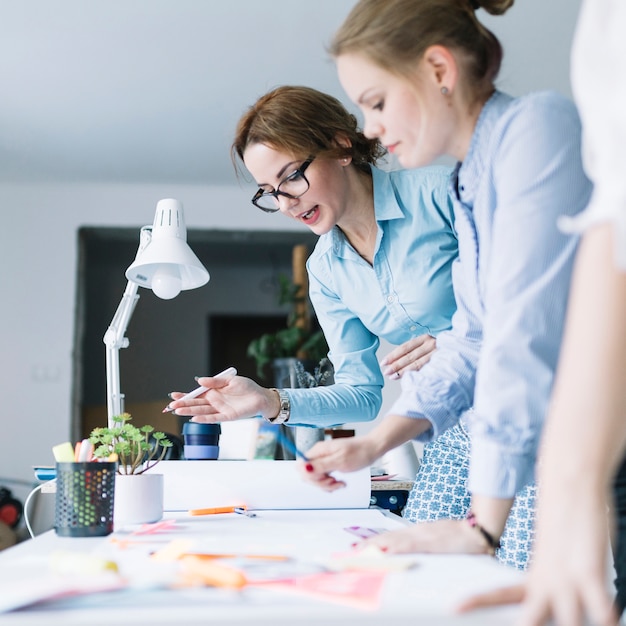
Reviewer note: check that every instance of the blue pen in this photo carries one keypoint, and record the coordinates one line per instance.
(291, 446)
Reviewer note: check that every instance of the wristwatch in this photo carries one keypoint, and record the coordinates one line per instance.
(285, 408)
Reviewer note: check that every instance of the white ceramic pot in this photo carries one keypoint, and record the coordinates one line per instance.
(138, 498)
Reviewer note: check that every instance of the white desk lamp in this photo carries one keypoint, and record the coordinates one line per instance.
(165, 264)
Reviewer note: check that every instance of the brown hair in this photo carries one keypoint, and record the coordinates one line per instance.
(304, 122)
(393, 34)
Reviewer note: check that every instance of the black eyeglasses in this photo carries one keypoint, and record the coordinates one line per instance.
(292, 186)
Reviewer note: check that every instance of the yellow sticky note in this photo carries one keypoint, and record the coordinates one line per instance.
(63, 453)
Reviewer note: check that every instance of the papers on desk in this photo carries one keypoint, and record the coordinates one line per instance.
(312, 574)
(278, 551)
(261, 484)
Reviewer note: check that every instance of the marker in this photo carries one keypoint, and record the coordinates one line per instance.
(63, 453)
(227, 373)
(85, 451)
(219, 509)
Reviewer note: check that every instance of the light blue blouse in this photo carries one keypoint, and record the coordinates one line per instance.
(406, 293)
(522, 171)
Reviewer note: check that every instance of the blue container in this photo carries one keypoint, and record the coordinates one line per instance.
(201, 441)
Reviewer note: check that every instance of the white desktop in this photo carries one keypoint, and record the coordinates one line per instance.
(324, 580)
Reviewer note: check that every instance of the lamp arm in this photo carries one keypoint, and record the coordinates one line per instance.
(114, 338)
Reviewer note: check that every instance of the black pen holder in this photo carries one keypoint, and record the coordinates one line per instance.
(84, 499)
(201, 441)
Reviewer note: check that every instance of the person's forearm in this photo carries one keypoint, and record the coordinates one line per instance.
(393, 431)
(491, 513)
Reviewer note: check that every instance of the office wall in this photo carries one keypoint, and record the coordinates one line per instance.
(38, 256)
(38, 247)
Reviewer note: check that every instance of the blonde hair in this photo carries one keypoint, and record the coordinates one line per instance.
(394, 34)
(304, 122)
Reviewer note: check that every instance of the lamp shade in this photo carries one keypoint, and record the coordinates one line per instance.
(167, 264)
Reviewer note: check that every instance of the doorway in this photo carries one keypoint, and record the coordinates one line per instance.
(170, 341)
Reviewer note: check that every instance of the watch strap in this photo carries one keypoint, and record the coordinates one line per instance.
(285, 408)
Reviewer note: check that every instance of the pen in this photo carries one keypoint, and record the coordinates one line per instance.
(227, 373)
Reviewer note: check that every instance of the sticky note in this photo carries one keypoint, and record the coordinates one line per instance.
(63, 453)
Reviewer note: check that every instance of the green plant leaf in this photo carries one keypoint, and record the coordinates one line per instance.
(131, 444)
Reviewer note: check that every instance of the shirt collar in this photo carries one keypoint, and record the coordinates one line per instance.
(386, 205)
(468, 174)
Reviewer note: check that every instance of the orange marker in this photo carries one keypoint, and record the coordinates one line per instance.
(218, 509)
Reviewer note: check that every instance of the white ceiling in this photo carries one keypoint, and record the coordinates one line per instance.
(147, 91)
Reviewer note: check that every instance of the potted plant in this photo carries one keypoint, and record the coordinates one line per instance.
(136, 449)
(138, 493)
(298, 340)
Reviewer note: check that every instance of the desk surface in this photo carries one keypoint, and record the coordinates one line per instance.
(430, 589)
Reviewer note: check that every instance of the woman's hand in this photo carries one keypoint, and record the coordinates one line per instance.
(345, 455)
(566, 580)
(410, 356)
(226, 400)
(504, 595)
(442, 537)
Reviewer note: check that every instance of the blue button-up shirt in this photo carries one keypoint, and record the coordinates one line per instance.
(522, 171)
(407, 292)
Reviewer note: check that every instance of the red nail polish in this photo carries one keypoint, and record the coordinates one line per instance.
(308, 467)
(384, 549)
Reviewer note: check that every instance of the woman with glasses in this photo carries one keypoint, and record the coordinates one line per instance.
(381, 269)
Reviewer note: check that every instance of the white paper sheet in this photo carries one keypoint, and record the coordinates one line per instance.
(257, 484)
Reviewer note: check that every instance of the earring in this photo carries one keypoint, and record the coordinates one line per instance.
(344, 160)
(445, 91)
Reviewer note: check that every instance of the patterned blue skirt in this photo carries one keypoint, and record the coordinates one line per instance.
(440, 492)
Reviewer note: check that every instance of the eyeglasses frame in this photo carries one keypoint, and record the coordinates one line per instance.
(277, 192)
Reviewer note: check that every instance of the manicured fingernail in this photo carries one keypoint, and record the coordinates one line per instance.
(384, 549)
(169, 395)
(196, 378)
(354, 545)
(308, 467)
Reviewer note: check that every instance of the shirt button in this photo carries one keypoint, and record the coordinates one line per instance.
(391, 298)
(413, 328)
